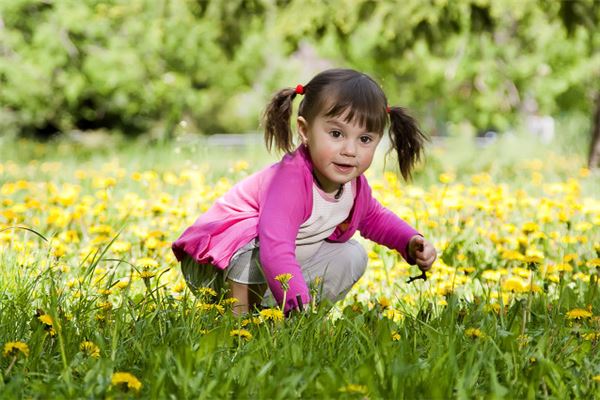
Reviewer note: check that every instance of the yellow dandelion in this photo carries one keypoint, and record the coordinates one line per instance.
(147, 262)
(46, 319)
(179, 287)
(395, 336)
(89, 349)
(283, 278)
(105, 305)
(122, 283)
(147, 274)
(126, 380)
(253, 320)
(120, 246)
(11, 349)
(272, 314)
(210, 306)
(354, 388)
(570, 257)
(241, 165)
(515, 284)
(492, 307)
(384, 302)
(59, 249)
(230, 301)
(530, 227)
(474, 333)
(446, 178)
(241, 333)
(206, 291)
(579, 313)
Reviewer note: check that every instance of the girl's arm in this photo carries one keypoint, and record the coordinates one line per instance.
(382, 226)
(283, 210)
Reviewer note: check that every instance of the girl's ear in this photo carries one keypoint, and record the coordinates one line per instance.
(302, 129)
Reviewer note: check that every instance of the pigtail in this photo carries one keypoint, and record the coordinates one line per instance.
(276, 120)
(407, 139)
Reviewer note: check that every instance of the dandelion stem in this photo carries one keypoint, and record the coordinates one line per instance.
(10, 366)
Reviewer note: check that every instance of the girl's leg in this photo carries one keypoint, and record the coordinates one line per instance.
(248, 296)
(245, 279)
(338, 266)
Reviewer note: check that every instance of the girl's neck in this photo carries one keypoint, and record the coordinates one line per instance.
(338, 192)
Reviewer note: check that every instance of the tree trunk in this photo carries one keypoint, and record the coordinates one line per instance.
(594, 157)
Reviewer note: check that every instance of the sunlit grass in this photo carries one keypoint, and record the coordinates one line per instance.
(93, 303)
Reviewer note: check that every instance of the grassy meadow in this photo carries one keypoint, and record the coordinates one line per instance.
(93, 304)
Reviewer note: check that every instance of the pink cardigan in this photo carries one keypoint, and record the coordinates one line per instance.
(272, 204)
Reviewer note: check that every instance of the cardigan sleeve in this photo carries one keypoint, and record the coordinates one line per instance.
(382, 226)
(283, 209)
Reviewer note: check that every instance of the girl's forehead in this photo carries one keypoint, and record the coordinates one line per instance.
(342, 121)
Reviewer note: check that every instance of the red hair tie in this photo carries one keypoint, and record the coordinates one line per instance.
(388, 109)
(299, 89)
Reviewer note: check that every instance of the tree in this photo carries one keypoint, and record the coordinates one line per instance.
(476, 60)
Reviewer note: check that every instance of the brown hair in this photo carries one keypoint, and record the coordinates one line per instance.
(337, 92)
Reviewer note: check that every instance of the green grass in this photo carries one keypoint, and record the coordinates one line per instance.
(529, 348)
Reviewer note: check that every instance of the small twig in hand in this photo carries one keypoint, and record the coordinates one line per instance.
(414, 278)
(299, 300)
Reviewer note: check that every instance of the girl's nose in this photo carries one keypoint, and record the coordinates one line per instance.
(349, 148)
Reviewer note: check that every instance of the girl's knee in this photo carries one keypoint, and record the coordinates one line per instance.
(357, 259)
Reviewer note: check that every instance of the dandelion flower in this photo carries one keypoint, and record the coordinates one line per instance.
(179, 287)
(126, 380)
(253, 320)
(230, 300)
(578, 313)
(515, 284)
(395, 336)
(530, 227)
(122, 283)
(283, 278)
(474, 333)
(594, 262)
(272, 314)
(90, 349)
(206, 291)
(14, 348)
(384, 302)
(241, 333)
(147, 262)
(354, 388)
(48, 323)
(105, 305)
(147, 274)
(446, 178)
(46, 319)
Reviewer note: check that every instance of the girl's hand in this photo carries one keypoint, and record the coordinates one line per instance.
(422, 252)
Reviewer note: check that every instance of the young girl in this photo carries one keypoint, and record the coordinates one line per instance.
(298, 216)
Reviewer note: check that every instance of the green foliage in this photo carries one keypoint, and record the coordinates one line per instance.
(123, 64)
(143, 65)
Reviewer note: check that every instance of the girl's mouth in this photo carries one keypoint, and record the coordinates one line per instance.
(343, 168)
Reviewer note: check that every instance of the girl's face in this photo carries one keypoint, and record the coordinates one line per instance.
(340, 151)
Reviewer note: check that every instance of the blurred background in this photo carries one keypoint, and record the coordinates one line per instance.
(101, 72)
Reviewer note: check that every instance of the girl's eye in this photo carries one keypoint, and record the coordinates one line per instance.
(335, 134)
(366, 139)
